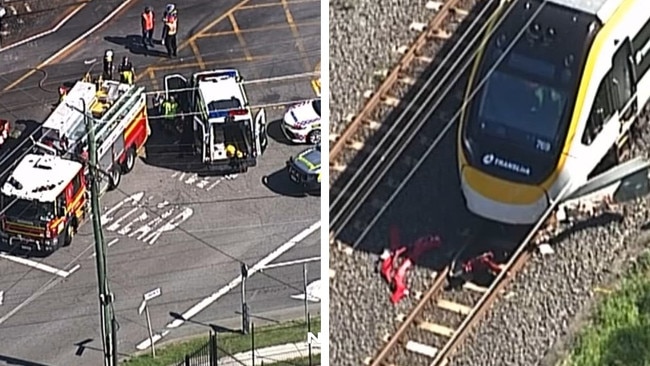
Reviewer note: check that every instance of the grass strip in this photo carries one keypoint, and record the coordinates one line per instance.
(619, 330)
(267, 336)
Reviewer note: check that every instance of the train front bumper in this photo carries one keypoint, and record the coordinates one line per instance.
(514, 204)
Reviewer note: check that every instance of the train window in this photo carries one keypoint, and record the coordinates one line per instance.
(623, 75)
(601, 111)
(521, 109)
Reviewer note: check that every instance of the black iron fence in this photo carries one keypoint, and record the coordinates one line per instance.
(209, 354)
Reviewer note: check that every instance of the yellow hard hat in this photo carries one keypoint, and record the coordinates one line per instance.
(230, 150)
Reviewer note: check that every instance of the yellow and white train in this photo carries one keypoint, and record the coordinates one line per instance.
(562, 99)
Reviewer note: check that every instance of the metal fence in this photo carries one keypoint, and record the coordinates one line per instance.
(210, 354)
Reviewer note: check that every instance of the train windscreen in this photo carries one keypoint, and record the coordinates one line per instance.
(521, 102)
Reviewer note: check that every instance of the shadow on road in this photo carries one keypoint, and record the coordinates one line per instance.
(8, 360)
(133, 43)
(274, 130)
(279, 182)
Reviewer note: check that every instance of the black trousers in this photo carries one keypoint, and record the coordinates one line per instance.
(170, 44)
(147, 37)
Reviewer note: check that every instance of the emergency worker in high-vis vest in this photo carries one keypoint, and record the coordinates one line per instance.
(171, 27)
(147, 26)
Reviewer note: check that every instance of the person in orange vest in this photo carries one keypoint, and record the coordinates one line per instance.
(171, 27)
(170, 10)
(147, 27)
(4, 131)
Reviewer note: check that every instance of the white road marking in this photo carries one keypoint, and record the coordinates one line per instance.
(148, 232)
(2, 297)
(198, 181)
(171, 225)
(134, 199)
(313, 292)
(200, 306)
(46, 286)
(291, 263)
(85, 35)
(303, 75)
(38, 265)
(47, 32)
(110, 244)
(214, 184)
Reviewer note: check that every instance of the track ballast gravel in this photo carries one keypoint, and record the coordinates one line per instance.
(364, 35)
(360, 313)
(548, 302)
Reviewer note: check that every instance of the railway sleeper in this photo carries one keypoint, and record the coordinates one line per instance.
(408, 80)
(474, 287)
(433, 5)
(356, 145)
(459, 12)
(454, 307)
(422, 349)
(338, 167)
(373, 125)
(418, 26)
(437, 329)
(439, 34)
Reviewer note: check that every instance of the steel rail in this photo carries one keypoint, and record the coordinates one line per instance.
(410, 320)
(515, 263)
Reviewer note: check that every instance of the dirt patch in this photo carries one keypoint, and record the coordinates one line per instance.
(26, 18)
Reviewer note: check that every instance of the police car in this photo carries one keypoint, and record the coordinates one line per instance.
(301, 123)
(304, 169)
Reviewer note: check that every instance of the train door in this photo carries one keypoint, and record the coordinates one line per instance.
(624, 83)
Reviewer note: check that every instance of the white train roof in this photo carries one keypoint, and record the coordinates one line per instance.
(603, 9)
(40, 177)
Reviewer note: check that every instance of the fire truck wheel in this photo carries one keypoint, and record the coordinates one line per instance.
(115, 178)
(69, 234)
(129, 161)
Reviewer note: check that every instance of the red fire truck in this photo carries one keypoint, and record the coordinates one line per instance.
(45, 199)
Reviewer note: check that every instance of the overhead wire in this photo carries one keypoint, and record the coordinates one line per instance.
(392, 141)
(445, 129)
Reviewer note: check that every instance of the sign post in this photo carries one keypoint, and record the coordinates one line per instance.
(143, 307)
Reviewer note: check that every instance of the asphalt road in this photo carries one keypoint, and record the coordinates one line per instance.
(220, 221)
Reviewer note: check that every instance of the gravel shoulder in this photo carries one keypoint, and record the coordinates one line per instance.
(27, 18)
(364, 35)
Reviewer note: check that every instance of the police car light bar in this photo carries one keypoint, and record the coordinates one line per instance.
(227, 73)
(227, 113)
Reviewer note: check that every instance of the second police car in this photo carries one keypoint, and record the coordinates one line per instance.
(304, 169)
(301, 123)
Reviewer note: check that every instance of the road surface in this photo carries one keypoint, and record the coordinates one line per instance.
(214, 222)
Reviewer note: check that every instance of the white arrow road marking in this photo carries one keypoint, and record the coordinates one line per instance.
(171, 225)
(201, 305)
(134, 199)
(42, 266)
(313, 292)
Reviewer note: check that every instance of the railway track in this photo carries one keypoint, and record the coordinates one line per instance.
(411, 98)
(422, 92)
(419, 332)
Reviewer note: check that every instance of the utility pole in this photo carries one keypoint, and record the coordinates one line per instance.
(244, 305)
(304, 287)
(107, 318)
